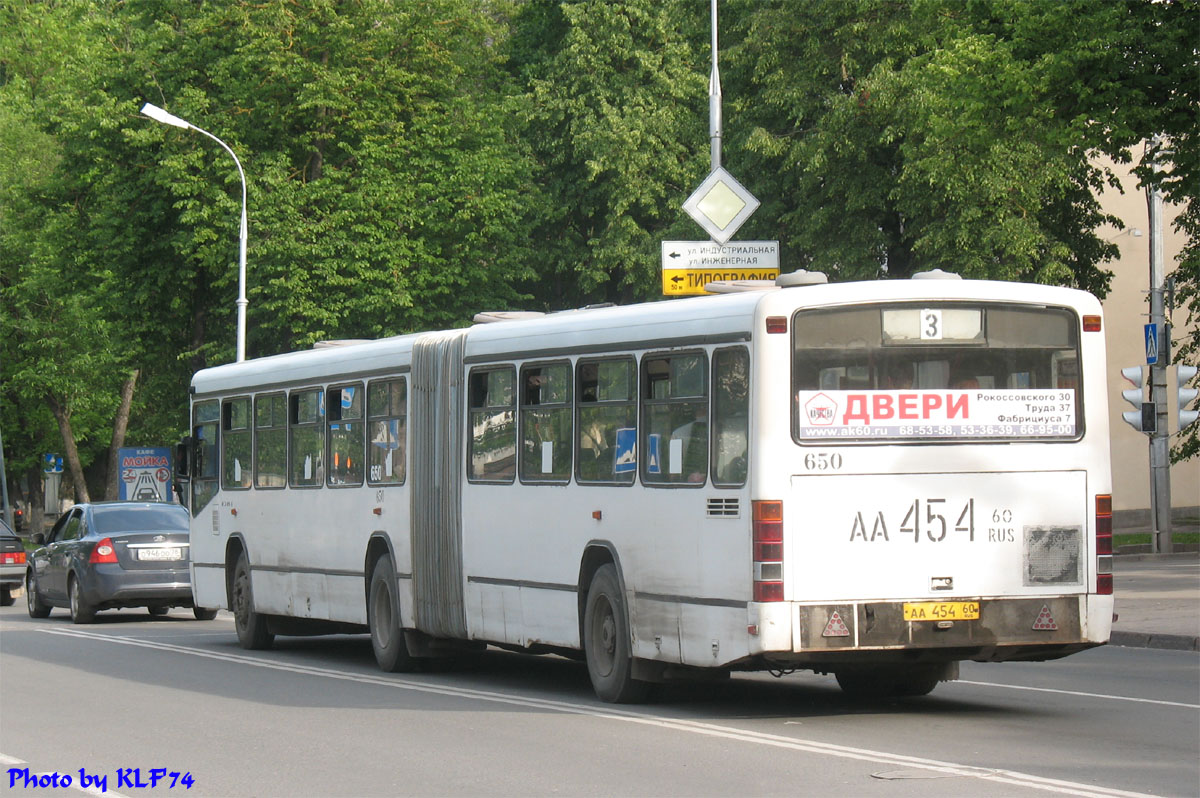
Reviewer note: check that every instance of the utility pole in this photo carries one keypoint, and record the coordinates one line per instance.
(1160, 464)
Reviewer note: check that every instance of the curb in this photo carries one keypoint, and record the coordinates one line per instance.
(1154, 640)
(1142, 552)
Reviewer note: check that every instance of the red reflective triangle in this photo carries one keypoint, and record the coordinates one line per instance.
(1044, 620)
(836, 627)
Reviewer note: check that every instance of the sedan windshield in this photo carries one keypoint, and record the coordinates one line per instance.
(116, 519)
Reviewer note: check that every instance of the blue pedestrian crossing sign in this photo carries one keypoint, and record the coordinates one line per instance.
(1151, 344)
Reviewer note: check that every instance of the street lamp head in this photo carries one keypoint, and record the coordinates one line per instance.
(159, 115)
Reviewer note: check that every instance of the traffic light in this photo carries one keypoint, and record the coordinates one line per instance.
(1184, 396)
(1142, 419)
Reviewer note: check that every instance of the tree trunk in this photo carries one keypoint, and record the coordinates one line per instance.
(198, 328)
(63, 417)
(35, 502)
(120, 425)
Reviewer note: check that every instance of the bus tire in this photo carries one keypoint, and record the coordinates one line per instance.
(252, 630)
(383, 619)
(606, 641)
(875, 684)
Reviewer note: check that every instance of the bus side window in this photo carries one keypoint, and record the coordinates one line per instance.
(236, 446)
(345, 413)
(493, 443)
(205, 433)
(546, 422)
(731, 415)
(674, 419)
(306, 428)
(387, 417)
(606, 432)
(270, 442)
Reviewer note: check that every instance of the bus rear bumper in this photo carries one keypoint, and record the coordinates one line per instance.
(1043, 627)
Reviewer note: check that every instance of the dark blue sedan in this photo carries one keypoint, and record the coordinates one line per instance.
(113, 554)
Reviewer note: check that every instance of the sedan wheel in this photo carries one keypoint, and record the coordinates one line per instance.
(81, 611)
(37, 609)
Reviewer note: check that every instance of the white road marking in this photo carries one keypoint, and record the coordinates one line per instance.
(695, 727)
(12, 761)
(1076, 692)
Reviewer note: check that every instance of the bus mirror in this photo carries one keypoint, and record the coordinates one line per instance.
(183, 460)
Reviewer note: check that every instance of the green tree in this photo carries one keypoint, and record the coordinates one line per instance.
(616, 119)
(916, 134)
(385, 188)
(63, 361)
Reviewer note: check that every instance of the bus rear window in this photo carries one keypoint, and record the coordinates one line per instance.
(934, 371)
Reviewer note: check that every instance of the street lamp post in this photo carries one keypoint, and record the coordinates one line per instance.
(159, 115)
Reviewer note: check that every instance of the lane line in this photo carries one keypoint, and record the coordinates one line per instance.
(695, 727)
(1078, 693)
(11, 761)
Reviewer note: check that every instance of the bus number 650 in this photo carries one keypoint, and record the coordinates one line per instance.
(821, 461)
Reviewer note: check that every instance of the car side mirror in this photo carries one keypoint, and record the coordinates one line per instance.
(39, 538)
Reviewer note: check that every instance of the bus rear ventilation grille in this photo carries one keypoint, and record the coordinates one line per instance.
(724, 508)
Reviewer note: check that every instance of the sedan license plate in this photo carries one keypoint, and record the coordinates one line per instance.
(159, 555)
(941, 611)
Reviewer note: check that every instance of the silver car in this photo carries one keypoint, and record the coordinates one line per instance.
(113, 554)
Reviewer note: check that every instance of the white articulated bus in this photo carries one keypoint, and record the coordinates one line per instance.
(876, 480)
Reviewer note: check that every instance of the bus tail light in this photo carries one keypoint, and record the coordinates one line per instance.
(768, 550)
(104, 552)
(1104, 549)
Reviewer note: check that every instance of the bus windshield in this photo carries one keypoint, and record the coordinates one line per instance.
(931, 371)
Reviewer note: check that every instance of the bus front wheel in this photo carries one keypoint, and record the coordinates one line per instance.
(252, 630)
(606, 641)
(387, 638)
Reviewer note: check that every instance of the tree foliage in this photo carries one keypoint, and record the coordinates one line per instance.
(385, 187)
(617, 105)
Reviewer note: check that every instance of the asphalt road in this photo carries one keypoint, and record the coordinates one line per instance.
(315, 717)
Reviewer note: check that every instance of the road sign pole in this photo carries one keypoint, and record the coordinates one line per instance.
(714, 98)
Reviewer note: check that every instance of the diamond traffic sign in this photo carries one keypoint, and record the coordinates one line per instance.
(720, 205)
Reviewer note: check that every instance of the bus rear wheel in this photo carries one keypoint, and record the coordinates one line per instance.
(894, 681)
(606, 641)
(387, 638)
(252, 630)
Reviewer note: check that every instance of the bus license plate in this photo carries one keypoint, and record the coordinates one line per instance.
(159, 555)
(941, 611)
